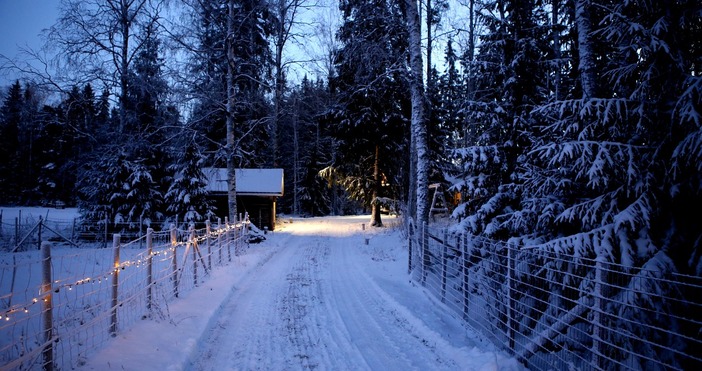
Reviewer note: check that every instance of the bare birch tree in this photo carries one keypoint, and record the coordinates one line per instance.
(287, 12)
(231, 104)
(98, 39)
(419, 125)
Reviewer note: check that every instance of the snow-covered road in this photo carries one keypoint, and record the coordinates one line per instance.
(320, 298)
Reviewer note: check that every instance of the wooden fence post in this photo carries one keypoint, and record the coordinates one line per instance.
(237, 235)
(174, 261)
(141, 232)
(47, 308)
(149, 268)
(115, 284)
(208, 231)
(193, 246)
(226, 239)
(219, 239)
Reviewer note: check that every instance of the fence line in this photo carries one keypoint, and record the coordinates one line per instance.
(563, 311)
(24, 232)
(59, 306)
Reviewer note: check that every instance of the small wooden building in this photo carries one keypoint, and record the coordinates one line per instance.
(257, 192)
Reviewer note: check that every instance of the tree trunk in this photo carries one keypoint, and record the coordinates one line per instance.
(231, 102)
(375, 206)
(556, 48)
(124, 65)
(429, 44)
(586, 67)
(469, 135)
(296, 160)
(279, 79)
(419, 125)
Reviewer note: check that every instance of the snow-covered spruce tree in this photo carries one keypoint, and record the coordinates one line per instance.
(132, 192)
(448, 111)
(622, 161)
(187, 194)
(370, 87)
(149, 119)
(102, 181)
(508, 81)
(509, 78)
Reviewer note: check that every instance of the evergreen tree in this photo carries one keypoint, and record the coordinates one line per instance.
(131, 190)
(623, 161)
(308, 151)
(511, 84)
(208, 70)
(372, 112)
(250, 58)
(187, 194)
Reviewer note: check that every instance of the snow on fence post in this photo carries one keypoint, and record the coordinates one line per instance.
(226, 237)
(47, 308)
(245, 231)
(192, 242)
(466, 276)
(115, 284)
(174, 261)
(149, 268)
(219, 239)
(238, 234)
(208, 232)
(141, 232)
(444, 263)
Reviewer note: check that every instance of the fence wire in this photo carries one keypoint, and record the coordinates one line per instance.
(84, 312)
(564, 311)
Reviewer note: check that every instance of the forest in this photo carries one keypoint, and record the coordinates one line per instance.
(540, 119)
(571, 127)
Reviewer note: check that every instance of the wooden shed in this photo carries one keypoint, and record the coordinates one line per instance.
(257, 192)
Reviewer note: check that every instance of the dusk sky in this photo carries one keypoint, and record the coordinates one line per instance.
(21, 21)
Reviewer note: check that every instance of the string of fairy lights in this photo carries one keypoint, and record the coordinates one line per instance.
(10, 313)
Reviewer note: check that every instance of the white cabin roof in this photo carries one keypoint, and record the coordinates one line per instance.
(249, 182)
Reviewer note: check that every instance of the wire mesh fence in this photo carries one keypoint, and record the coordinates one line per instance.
(57, 306)
(564, 309)
(26, 231)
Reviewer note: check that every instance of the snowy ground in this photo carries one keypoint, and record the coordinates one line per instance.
(312, 296)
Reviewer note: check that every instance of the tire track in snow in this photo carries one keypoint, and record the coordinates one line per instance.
(311, 306)
(241, 336)
(384, 335)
